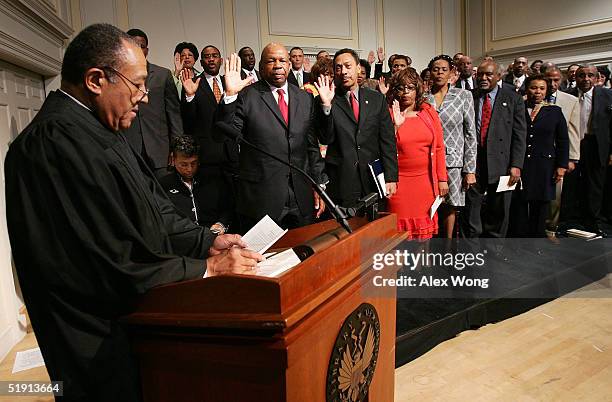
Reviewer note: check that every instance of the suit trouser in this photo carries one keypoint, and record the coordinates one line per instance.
(569, 213)
(527, 217)
(487, 212)
(554, 212)
(593, 177)
(290, 217)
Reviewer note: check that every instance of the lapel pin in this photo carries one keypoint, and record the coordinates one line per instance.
(504, 104)
(366, 102)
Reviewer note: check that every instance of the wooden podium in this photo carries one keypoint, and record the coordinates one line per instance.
(242, 338)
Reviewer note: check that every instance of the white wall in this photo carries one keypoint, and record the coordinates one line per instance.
(563, 31)
(400, 26)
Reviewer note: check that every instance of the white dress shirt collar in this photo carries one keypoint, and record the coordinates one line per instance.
(74, 99)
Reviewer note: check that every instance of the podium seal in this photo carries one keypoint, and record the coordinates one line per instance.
(353, 359)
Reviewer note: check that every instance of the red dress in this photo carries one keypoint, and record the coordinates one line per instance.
(422, 164)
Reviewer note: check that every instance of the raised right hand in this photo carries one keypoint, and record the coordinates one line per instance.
(382, 86)
(381, 55)
(233, 82)
(178, 64)
(189, 85)
(327, 89)
(398, 117)
(371, 57)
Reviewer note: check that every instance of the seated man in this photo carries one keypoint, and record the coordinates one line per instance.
(206, 205)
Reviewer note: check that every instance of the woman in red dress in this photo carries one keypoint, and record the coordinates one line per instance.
(421, 156)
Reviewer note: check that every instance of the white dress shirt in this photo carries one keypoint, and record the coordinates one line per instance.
(586, 104)
(251, 73)
(299, 73)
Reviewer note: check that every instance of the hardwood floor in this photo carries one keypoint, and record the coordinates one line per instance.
(560, 351)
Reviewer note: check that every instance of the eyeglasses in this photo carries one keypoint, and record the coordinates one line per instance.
(211, 56)
(403, 89)
(144, 92)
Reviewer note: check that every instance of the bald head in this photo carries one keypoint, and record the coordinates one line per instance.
(274, 64)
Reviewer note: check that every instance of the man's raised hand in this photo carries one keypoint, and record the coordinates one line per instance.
(326, 88)
(189, 85)
(233, 82)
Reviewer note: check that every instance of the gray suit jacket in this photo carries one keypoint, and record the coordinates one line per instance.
(457, 117)
(571, 111)
(159, 120)
(507, 134)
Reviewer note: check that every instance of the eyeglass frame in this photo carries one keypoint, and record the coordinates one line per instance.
(404, 89)
(146, 91)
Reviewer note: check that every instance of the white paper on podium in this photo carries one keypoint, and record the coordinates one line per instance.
(435, 205)
(277, 263)
(263, 235)
(503, 184)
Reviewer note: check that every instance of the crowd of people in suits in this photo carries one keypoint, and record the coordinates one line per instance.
(453, 130)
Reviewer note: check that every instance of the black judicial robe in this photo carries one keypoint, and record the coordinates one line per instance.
(90, 229)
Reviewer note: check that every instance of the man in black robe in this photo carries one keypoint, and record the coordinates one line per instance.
(90, 227)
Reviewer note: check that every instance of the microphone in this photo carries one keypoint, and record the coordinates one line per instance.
(339, 213)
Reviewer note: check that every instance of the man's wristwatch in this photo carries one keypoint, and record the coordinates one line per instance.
(218, 230)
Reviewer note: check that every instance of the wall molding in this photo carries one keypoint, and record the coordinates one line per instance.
(40, 20)
(560, 28)
(308, 40)
(582, 45)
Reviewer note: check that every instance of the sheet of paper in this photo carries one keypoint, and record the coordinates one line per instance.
(263, 235)
(435, 205)
(28, 359)
(383, 184)
(278, 263)
(503, 184)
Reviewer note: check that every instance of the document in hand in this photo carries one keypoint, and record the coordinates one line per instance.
(378, 174)
(503, 184)
(263, 235)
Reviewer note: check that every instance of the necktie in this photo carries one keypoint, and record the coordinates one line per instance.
(467, 85)
(282, 105)
(517, 83)
(253, 76)
(485, 120)
(355, 106)
(552, 99)
(298, 75)
(216, 90)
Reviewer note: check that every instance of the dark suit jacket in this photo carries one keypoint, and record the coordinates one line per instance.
(547, 149)
(600, 123)
(198, 119)
(212, 204)
(378, 72)
(506, 136)
(564, 87)
(263, 186)
(352, 145)
(292, 80)
(159, 120)
(509, 79)
(243, 74)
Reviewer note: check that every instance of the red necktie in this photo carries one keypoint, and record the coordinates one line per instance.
(355, 106)
(485, 120)
(282, 105)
